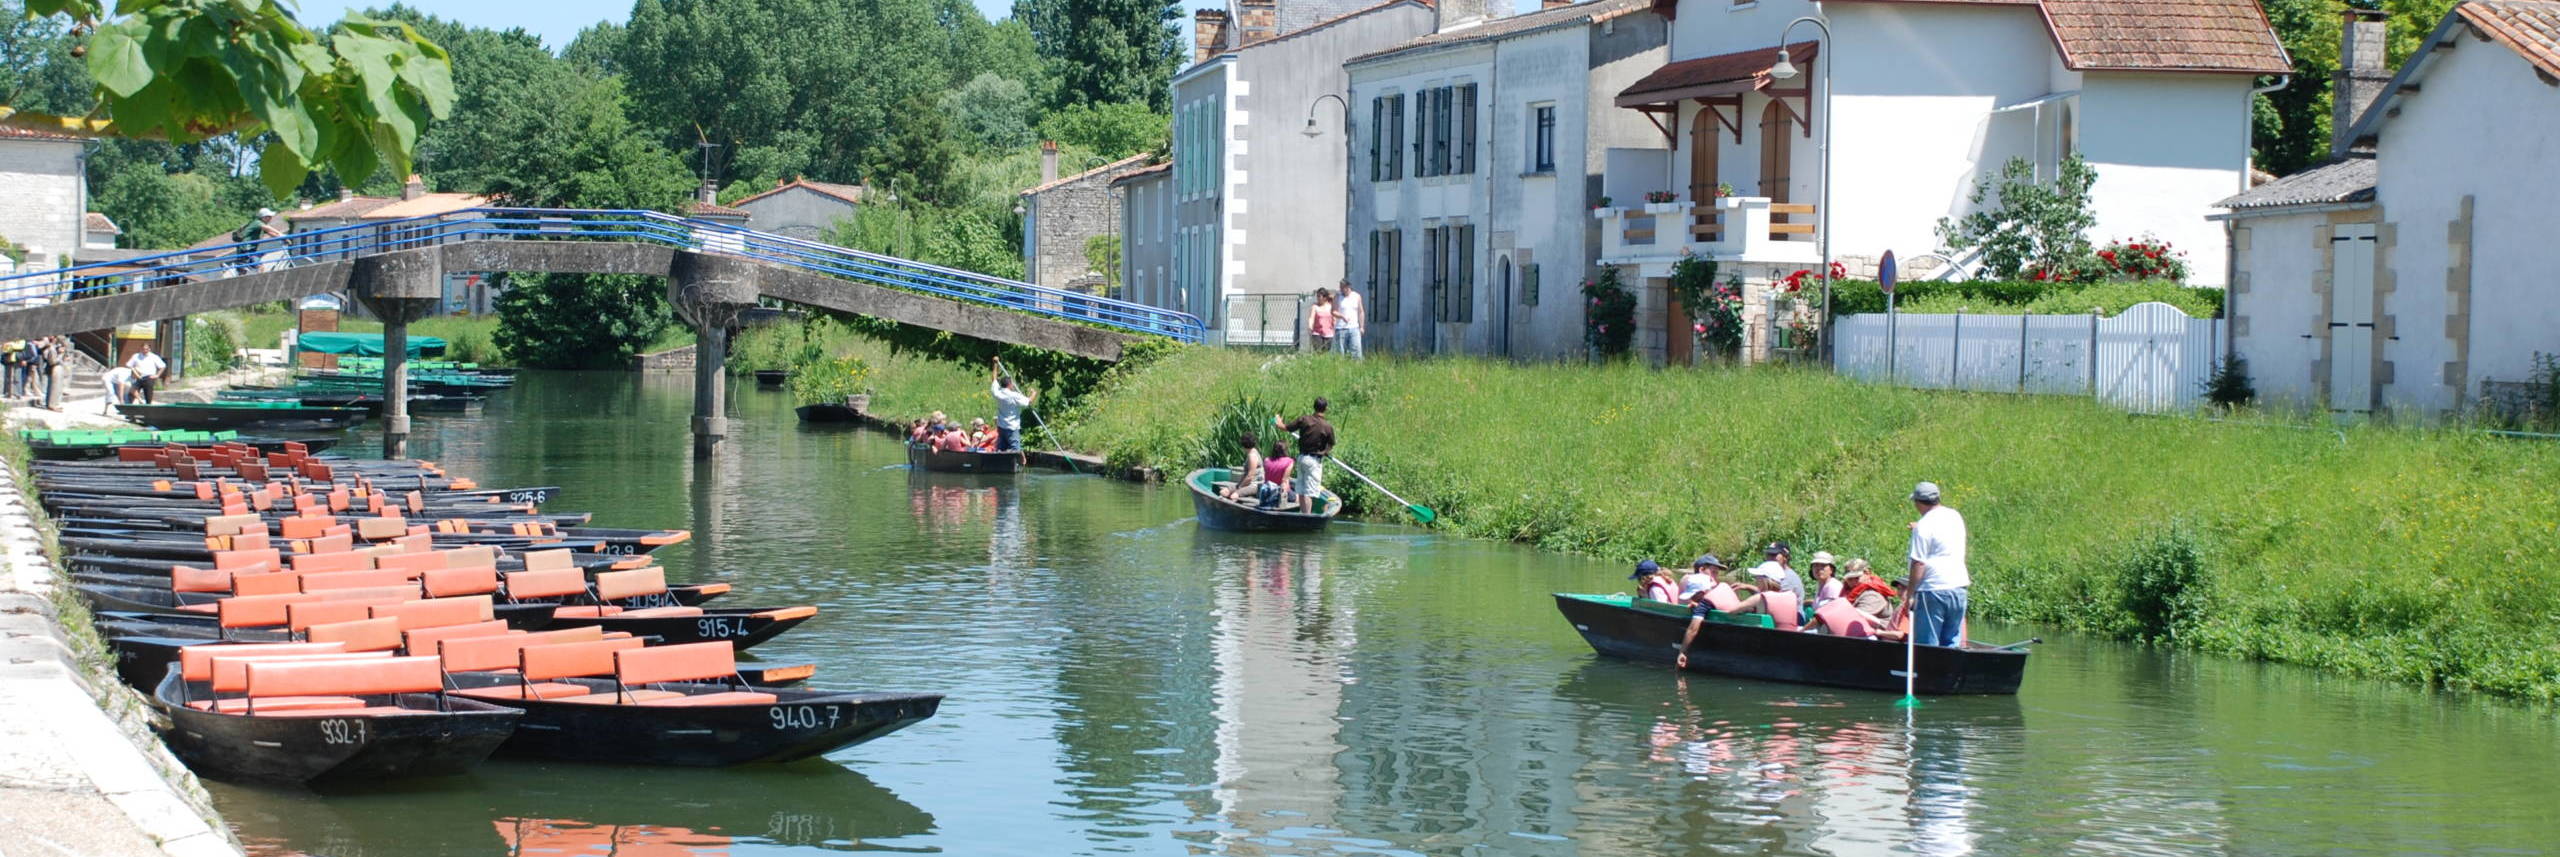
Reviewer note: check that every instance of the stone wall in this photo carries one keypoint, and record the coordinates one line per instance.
(40, 199)
(678, 359)
(1063, 216)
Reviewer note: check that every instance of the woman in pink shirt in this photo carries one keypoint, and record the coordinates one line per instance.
(1320, 321)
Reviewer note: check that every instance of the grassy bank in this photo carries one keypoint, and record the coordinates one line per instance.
(2420, 555)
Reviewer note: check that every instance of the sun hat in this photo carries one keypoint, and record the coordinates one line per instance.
(1708, 561)
(1926, 492)
(266, 212)
(1643, 568)
(1768, 572)
(1825, 558)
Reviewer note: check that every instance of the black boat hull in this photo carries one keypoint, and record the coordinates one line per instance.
(772, 379)
(1219, 513)
(828, 414)
(742, 627)
(797, 725)
(941, 461)
(214, 417)
(323, 749)
(1652, 634)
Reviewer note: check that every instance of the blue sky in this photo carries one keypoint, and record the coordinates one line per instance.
(556, 21)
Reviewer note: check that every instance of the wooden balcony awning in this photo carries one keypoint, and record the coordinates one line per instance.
(1710, 77)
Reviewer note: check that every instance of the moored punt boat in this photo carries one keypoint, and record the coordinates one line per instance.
(743, 626)
(922, 457)
(233, 415)
(614, 701)
(772, 378)
(1650, 631)
(345, 718)
(1220, 513)
(828, 413)
(81, 445)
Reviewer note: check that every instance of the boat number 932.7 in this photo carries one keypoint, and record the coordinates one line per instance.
(803, 716)
(720, 627)
(342, 731)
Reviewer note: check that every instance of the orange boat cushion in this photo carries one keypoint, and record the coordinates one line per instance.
(378, 594)
(683, 662)
(367, 579)
(476, 654)
(660, 612)
(413, 563)
(423, 641)
(573, 660)
(362, 635)
(618, 585)
(434, 612)
(195, 663)
(225, 525)
(733, 697)
(256, 611)
(230, 673)
(444, 582)
(545, 584)
(379, 529)
(547, 560)
(303, 526)
(301, 617)
(332, 562)
(321, 678)
(250, 541)
(586, 611)
(471, 555)
(235, 560)
(191, 579)
(276, 583)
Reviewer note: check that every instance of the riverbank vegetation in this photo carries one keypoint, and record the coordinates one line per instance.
(2408, 553)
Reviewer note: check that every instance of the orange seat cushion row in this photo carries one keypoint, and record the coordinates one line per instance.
(280, 703)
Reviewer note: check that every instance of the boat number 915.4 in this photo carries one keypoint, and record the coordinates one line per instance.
(342, 731)
(803, 716)
(720, 627)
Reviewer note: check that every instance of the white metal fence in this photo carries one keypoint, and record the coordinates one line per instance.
(2152, 358)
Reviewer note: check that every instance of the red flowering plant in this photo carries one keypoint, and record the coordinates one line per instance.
(1661, 196)
(1609, 314)
(2145, 258)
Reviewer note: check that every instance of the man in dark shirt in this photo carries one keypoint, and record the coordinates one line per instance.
(1315, 441)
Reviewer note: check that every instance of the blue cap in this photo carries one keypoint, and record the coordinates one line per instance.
(1709, 560)
(1644, 568)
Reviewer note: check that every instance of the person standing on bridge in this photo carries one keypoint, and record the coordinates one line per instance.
(147, 368)
(270, 229)
(1010, 403)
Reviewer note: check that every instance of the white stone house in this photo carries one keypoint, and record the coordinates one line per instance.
(1062, 213)
(2412, 275)
(1477, 155)
(1257, 221)
(43, 196)
(801, 208)
(1930, 97)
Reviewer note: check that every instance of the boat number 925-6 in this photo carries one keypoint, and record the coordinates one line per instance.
(720, 627)
(803, 716)
(342, 731)
(528, 496)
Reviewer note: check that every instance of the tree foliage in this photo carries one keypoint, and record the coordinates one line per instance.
(2026, 228)
(1112, 131)
(2293, 124)
(1107, 51)
(993, 112)
(580, 321)
(189, 70)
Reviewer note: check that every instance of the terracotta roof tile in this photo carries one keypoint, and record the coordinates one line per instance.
(2166, 35)
(96, 222)
(712, 209)
(1679, 80)
(1587, 12)
(1122, 164)
(428, 204)
(350, 208)
(850, 194)
(2531, 28)
(1143, 172)
(15, 133)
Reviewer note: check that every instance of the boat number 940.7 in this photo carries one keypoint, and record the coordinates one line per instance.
(720, 627)
(342, 731)
(803, 716)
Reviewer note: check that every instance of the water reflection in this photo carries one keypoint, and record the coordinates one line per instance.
(568, 810)
(1281, 642)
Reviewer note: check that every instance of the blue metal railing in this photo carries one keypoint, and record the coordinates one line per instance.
(201, 264)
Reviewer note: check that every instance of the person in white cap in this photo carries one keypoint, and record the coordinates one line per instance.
(1826, 578)
(269, 228)
(1938, 575)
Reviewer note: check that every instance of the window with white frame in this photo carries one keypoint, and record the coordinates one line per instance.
(1542, 138)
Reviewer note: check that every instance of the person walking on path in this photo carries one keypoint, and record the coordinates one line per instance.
(147, 368)
(49, 353)
(1010, 403)
(1320, 321)
(1938, 574)
(1315, 441)
(1350, 314)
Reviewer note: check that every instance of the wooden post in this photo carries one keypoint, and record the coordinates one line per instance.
(1955, 365)
(2022, 351)
(2093, 352)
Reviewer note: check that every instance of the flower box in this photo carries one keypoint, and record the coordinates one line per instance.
(1668, 207)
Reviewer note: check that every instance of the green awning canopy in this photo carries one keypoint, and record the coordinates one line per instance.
(366, 344)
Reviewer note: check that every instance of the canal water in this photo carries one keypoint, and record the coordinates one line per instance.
(1121, 682)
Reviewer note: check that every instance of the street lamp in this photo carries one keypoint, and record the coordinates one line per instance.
(1786, 70)
(1311, 130)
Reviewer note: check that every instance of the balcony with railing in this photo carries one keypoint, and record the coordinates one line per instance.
(1734, 228)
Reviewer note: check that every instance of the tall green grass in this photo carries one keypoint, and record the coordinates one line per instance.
(2427, 555)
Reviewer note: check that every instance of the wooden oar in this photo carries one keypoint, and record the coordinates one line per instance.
(1421, 514)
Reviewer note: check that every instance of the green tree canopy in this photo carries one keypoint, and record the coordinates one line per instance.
(1107, 51)
(189, 70)
(1113, 131)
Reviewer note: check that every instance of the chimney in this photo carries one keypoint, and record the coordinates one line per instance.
(708, 193)
(1455, 14)
(1208, 34)
(415, 187)
(2362, 73)
(1048, 161)
(1554, 4)
(346, 193)
(1256, 21)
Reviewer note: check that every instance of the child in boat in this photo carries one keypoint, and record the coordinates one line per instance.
(1250, 476)
(982, 436)
(1273, 493)
(953, 440)
(1655, 583)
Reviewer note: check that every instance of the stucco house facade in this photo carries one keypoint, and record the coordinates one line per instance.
(1929, 98)
(1477, 153)
(2410, 275)
(44, 195)
(801, 208)
(1146, 242)
(1257, 220)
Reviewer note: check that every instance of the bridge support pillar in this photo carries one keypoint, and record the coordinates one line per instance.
(398, 288)
(710, 292)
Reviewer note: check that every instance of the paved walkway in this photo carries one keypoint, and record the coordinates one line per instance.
(82, 774)
(92, 412)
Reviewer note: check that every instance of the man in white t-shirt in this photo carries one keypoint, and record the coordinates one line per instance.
(1938, 574)
(1350, 314)
(1010, 402)
(147, 369)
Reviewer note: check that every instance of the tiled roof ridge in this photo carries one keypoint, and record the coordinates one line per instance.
(1068, 180)
(2531, 28)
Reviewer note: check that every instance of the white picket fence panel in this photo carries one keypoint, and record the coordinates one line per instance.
(2150, 359)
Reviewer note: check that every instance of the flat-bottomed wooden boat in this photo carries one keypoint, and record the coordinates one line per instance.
(1649, 631)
